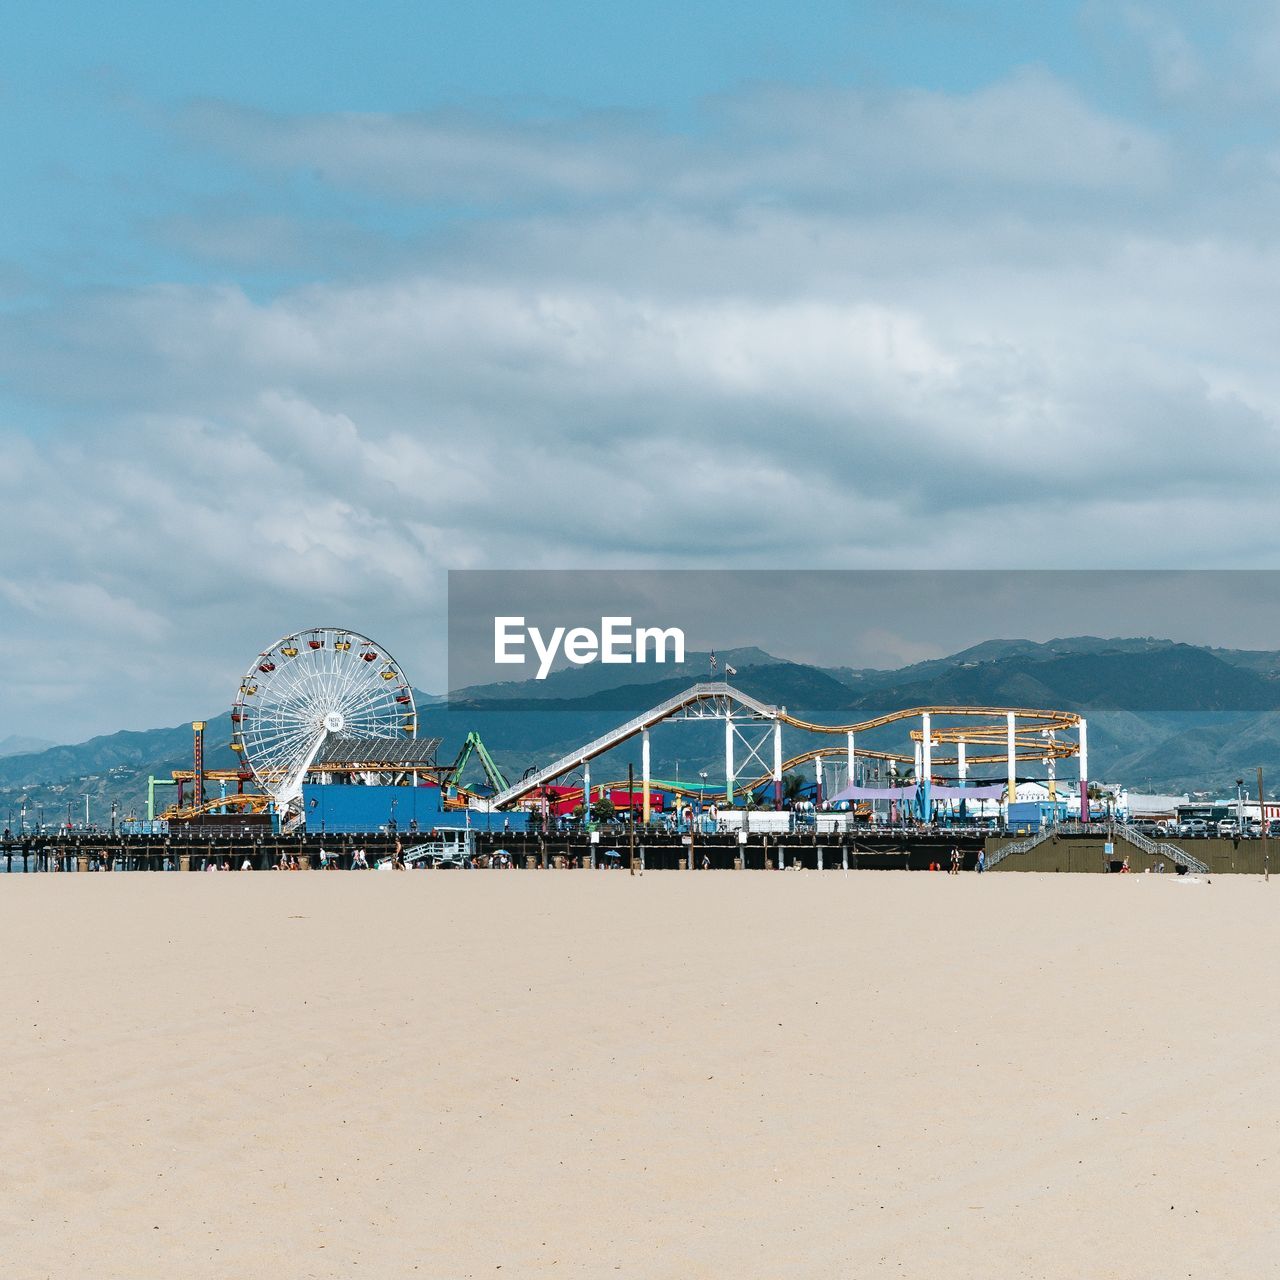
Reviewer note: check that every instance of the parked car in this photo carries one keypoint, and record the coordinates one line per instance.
(1193, 828)
(1273, 827)
(1228, 828)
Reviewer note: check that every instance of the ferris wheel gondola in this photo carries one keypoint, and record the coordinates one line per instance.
(306, 688)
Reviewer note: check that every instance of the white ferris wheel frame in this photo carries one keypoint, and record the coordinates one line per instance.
(307, 687)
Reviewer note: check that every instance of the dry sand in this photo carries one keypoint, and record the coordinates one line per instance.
(589, 1075)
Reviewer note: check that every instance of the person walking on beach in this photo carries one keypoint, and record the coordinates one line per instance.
(955, 861)
(982, 861)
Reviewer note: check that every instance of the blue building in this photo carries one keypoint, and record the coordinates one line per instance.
(346, 808)
(1031, 815)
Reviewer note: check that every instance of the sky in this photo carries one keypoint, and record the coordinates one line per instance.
(303, 306)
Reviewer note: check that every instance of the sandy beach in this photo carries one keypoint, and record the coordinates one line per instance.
(592, 1075)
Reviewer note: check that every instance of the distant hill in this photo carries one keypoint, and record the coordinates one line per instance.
(780, 683)
(16, 745)
(1163, 715)
(579, 682)
(1031, 651)
(111, 767)
(1169, 677)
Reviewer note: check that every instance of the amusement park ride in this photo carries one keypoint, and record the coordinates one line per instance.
(327, 704)
(751, 727)
(331, 705)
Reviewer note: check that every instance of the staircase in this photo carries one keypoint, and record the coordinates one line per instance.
(1161, 849)
(1020, 846)
(1108, 831)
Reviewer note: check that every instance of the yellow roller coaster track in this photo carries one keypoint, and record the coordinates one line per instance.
(241, 803)
(1028, 749)
(1037, 751)
(1033, 718)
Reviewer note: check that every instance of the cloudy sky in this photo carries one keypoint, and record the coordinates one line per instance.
(302, 305)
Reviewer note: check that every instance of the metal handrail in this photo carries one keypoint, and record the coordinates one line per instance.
(1161, 849)
(1156, 848)
(1019, 846)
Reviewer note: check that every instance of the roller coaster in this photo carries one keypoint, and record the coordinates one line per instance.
(1021, 733)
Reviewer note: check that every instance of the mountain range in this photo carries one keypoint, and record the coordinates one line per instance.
(17, 745)
(1163, 716)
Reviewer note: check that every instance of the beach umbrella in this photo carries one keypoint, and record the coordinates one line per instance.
(611, 853)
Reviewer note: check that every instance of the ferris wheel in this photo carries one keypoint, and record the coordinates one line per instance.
(307, 688)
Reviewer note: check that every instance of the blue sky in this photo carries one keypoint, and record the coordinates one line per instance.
(99, 167)
(93, 159)
(301, 306)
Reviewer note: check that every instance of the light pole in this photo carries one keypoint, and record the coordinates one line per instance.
(586, 814)
(631, 817)
(702, 789)
(1239, 806)
(86, 809)
(1262, 828)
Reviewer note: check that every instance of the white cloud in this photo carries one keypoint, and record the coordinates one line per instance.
(780, 142)
(839, 328)
(1176, 67)
(455, 158)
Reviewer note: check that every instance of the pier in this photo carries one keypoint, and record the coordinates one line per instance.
(1099, 848)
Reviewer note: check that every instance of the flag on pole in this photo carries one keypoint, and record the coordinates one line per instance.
(713, 659)
(730, 671)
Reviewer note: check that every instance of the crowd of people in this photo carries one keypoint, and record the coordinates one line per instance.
(328, 862)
